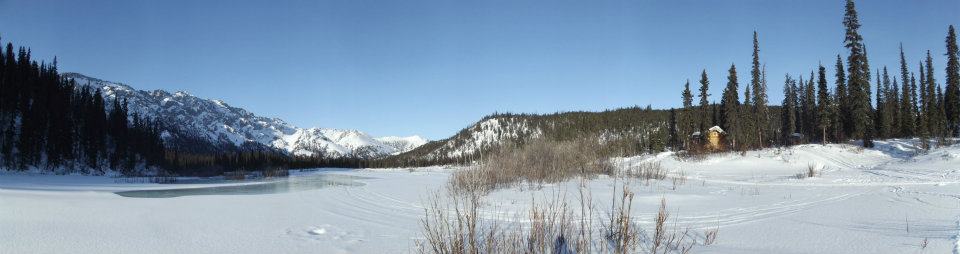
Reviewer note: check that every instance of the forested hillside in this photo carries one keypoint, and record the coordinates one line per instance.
(623, 131)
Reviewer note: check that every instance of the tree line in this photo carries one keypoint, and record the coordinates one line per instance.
(911, 105)
(49, 123)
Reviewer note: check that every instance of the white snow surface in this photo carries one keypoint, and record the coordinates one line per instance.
(485, 134)
(220, 123)
(889, 199)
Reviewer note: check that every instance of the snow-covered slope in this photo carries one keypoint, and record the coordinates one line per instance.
(486, 133)
(220, 124)
(403, 144)
(612, 126)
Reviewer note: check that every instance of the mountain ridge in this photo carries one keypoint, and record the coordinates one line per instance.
(214, 122)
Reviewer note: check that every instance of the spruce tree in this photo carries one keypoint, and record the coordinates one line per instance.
(687, 116)
(824, 104)
(932, 107)
(879, 113)
(810, 109)
(941, 118)
(843, 118)
(757, 81)
(952, 93)
(908, 108)
(798, 94)
(923, 130)
(705, 111)
(788, 108)
(674, 140)
(746, 121)
(729, 106)
(892, 105)
(858, 77)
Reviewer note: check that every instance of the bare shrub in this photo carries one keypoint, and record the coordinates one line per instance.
(811, 171)
(710, 236)
(278, 172)
(454, 225)
(678, 179)
(665, 240)
(535, 163)
(659, 233)
(646, 171)
(620, 232)
(146, 179)
(451, 226)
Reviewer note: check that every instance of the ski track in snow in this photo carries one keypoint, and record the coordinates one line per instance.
(956, 239)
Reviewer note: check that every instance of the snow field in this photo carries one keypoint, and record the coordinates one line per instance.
(890, 199)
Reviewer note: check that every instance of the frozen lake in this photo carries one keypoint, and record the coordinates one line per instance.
(281, 185)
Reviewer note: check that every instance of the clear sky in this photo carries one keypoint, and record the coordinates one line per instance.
(434, 67)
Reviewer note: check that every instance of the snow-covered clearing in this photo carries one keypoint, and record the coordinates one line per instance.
(883, 200)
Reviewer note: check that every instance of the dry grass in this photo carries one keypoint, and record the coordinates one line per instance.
(455, 224)
(535, 163)
(680, 178)
(646, 171)
(811, 171)
(620, 232)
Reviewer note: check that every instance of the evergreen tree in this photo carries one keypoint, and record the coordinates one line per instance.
(798, 91)
(908, 108)
(942, 129)
(824, 104)
(843, 119)
(745, 118)
(788, 109)
(757, 81)
(923, 128)
(880, 113)
(674, 139)
(729, 107)
(687, 96)
(706, 114)
(858, 77)
(932, 107)
(687, 116)
(952, 94)
(809, 109)
(892, 103)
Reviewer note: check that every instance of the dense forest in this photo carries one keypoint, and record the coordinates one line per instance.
(48, 123)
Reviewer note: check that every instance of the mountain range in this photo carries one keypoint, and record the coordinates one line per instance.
(209, 124)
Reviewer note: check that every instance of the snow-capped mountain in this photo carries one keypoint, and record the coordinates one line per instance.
(403, 144)
(218, 123)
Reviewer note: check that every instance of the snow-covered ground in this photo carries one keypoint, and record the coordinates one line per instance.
(885, 200)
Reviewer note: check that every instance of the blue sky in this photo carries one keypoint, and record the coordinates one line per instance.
(434, 67)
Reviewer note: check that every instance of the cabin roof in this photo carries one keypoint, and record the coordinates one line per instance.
(717, 129)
